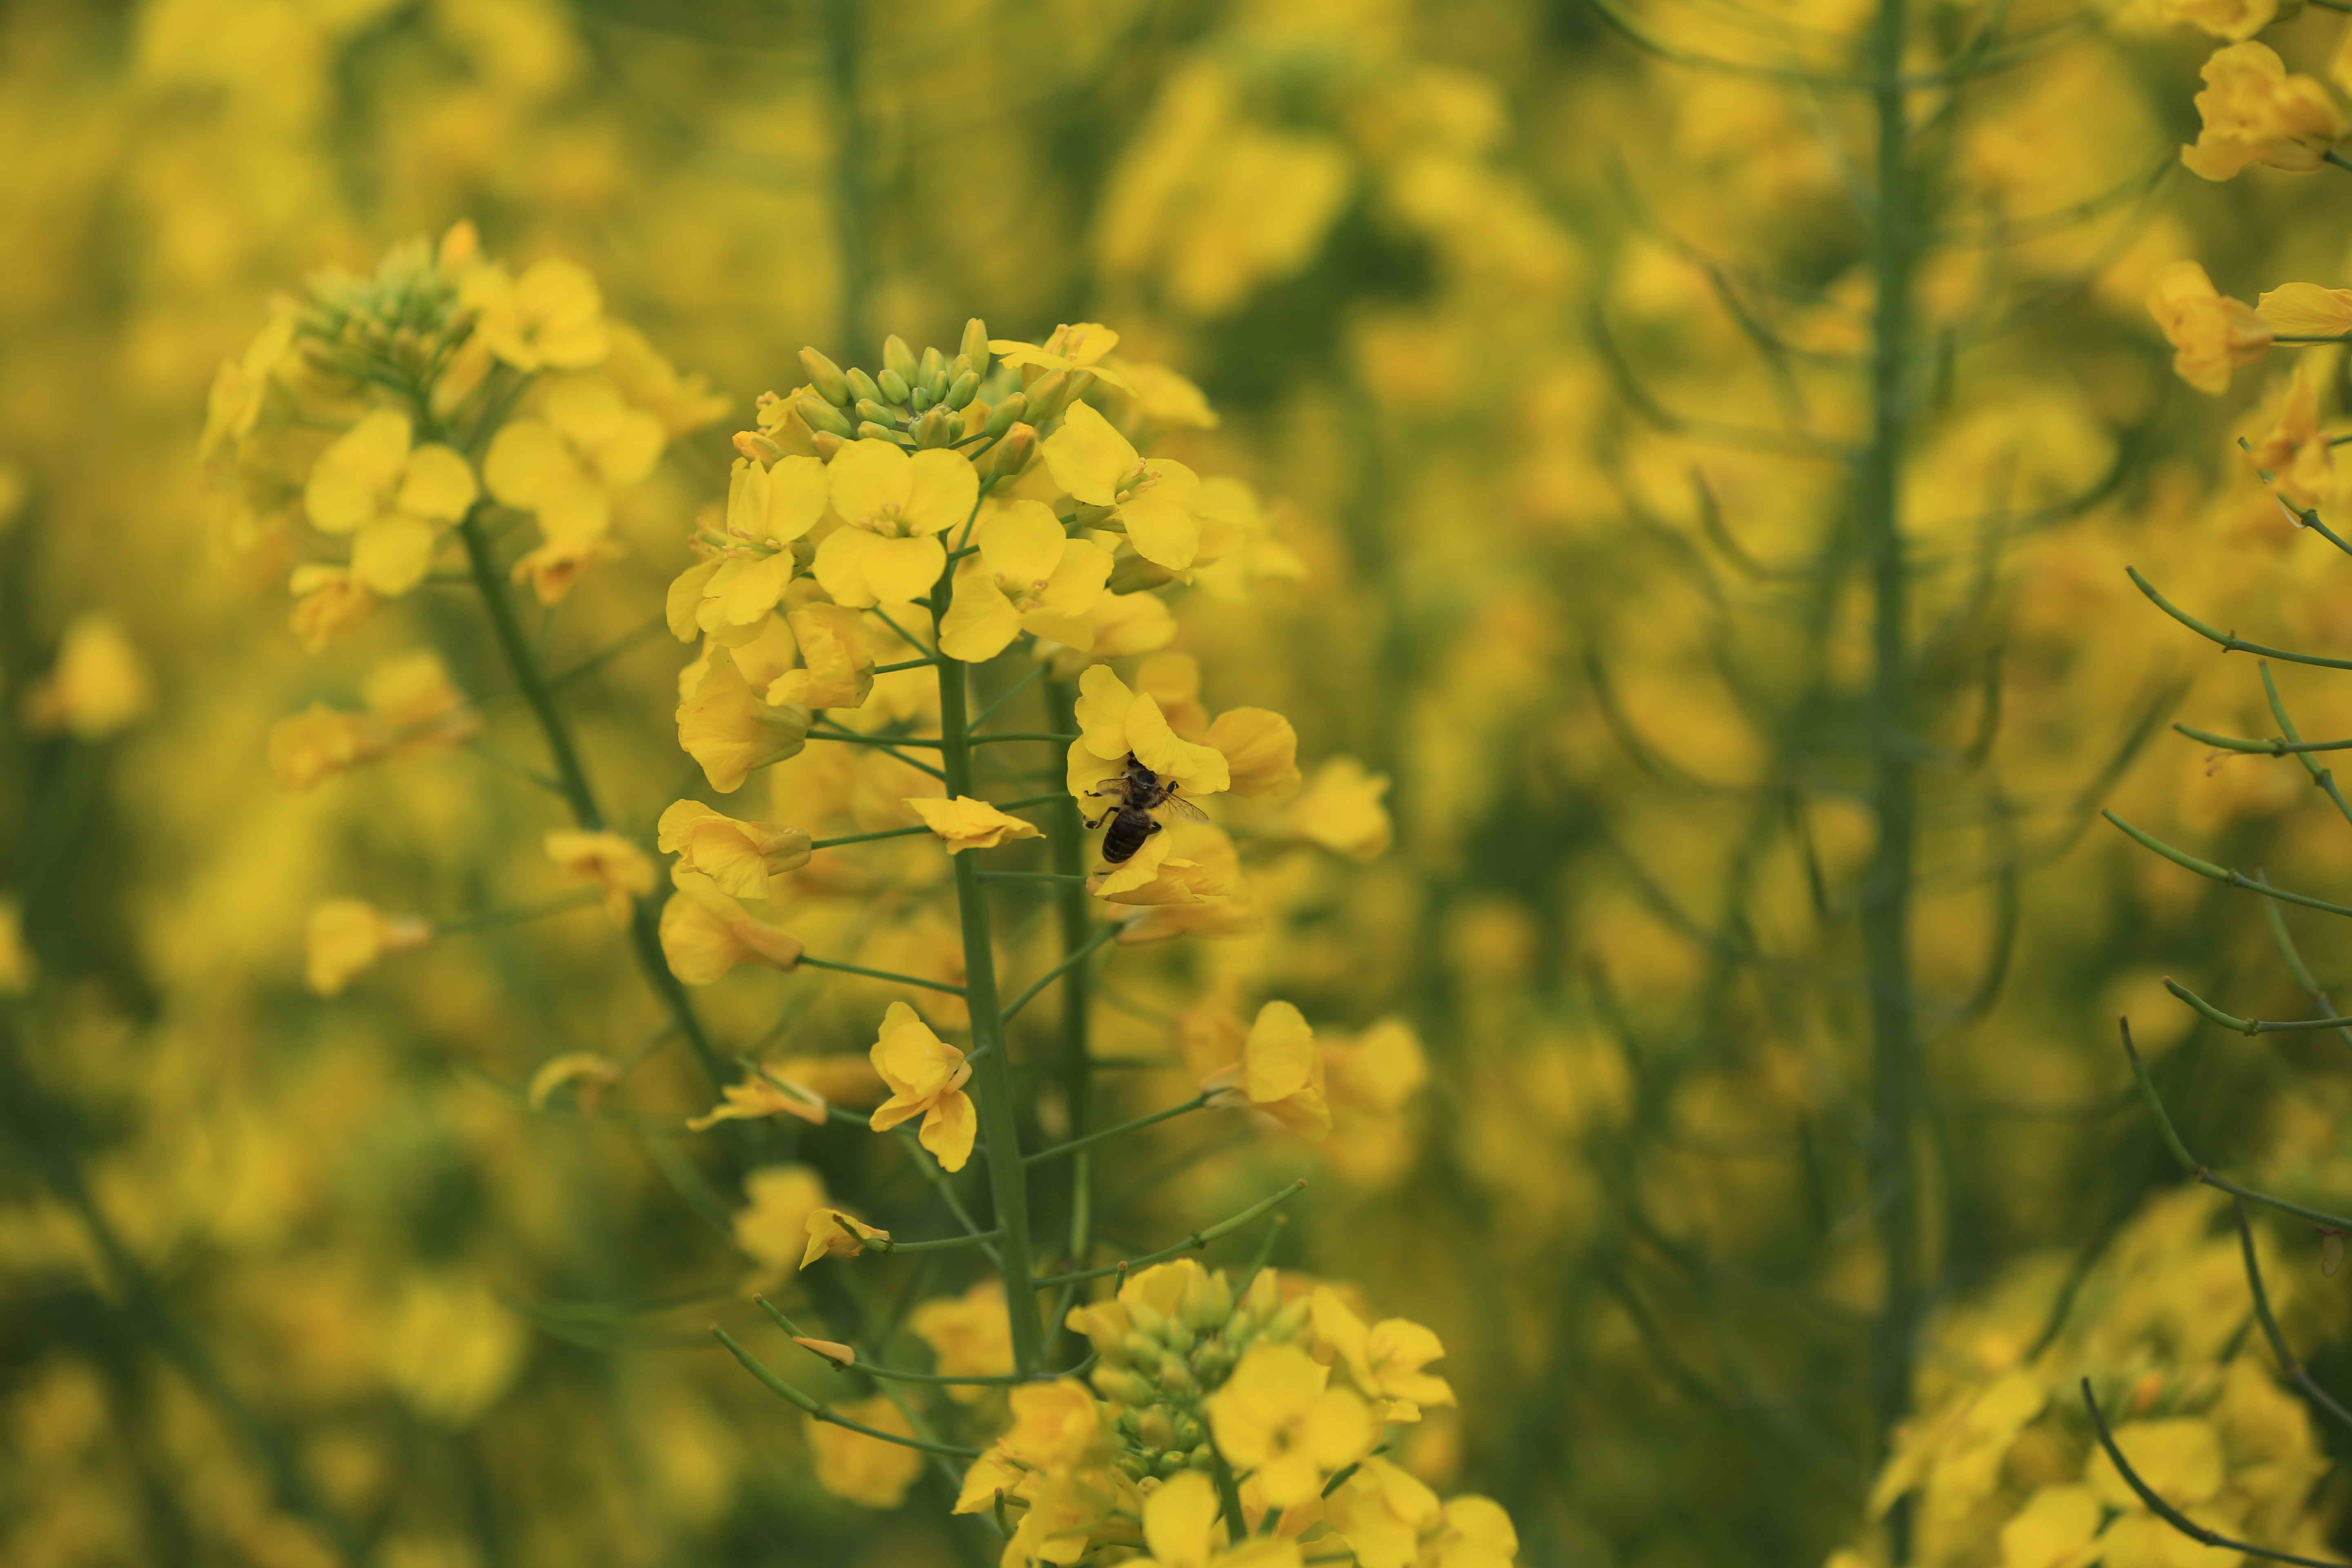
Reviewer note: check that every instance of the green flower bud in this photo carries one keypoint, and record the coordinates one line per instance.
(1005, 415)
(935, 428)
(1140, 1348)
(1048, 395)
(973, 346)
(894, 385)
(1171, 1463)
(897, 356)
(962, 389)
(920, 398)
(1175, 1375)
(862, 385)
(1136, 1465)
(826, 443)
(878, 412)
(819, 415)
(826, 377)
(1012, 453)
(870, 431)
(931, 364)
(1202, 1459)
(1144, 1318)
(1289, 1321)
(1189, 1434)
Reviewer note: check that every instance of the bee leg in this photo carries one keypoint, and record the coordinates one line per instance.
(1097, 822)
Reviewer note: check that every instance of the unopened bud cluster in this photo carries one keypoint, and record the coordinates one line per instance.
(1167, 1343)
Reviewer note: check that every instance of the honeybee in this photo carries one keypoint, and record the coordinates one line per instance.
(1139, 792)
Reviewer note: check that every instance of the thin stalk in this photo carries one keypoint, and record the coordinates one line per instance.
(2188, 862)
(2296, 1371)
(1887, 889)
(1065, 834)
(605, 655)
(491, 919)
(2196, 1169)
(1023, 735)
(1088, 1139)
(2165, 1510)
(900, 1375)
(1000, 1125)
(891, 975)
(2322, 779)
(645, 924)
(1036, 671)
(1193, 1243)
(869, 837)
(1073, 961)
(2249, 1025)
(820, 1411)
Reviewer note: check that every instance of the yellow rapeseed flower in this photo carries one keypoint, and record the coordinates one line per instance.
(1155, 501)
(1115, 722)
(837, 667)
(345, 936)
(564, 464)
(724, 726)
(970, 1335)
(761, 1095)
(1181, 1529)
(1381, 1512)
(327, 602)
(1277, 1416)
(836, 1233)
(2211, 333)
(1341, 809)
(2253, 111)
(549, 318)
(1280, 1072)
(965, 823)
(2292, 450)
(1385, 1361)
(1029, 576)
(608, 861)
(865, 1471)
(925, 1076)
(2236, 20)
(738, 856)
(391, 495)
(99, 686)
(773, 1226)
(893, 507)
(704, 933)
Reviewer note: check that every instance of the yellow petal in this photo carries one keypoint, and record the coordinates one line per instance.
(949, 1130)
(1021, 541)
(1163, 528)
(1102, 708)
(1259, 747)
(1087, 458)
(2307, 309)
(866, 479)
(1202, 770)
(840, 565)
(528, 463)
(903, 569)
(438, 484)
(981, 622)
(942, 487)
(390, 555)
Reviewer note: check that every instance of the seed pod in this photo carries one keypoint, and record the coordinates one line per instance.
(962, 389)
(894, 386)
(879, 412)
(826, 377)
(1003, 416)
(819, 415)
(898, 356)
(974, 345)
(862, 385)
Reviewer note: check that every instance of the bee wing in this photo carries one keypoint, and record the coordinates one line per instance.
(1177, 806)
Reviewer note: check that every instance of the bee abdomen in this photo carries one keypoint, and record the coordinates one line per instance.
(1126, 835)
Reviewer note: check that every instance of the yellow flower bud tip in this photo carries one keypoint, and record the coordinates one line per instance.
(1014, 453)
(833, 1351)
(974, 345)
(827, 445)
(758, 446)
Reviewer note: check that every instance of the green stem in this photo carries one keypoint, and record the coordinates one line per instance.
(2197, 1169)
(2188, 862)
(645, 924)
(2249, 1025)
(817, 1410)
(869, 837)
(2229, 642)
(2322, 779)
(891, 975)
(1193, 1243)
(1065, 834)
(1022, 735)
(1886, 888)
(1000, 1126)
(1088, 1140)
(490, 919)
(900, 1375)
